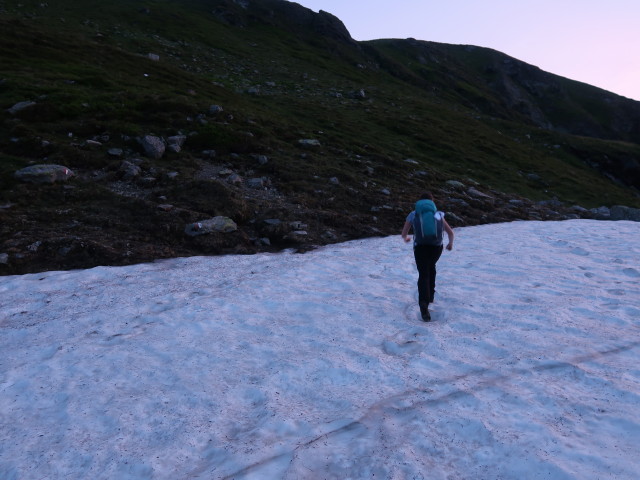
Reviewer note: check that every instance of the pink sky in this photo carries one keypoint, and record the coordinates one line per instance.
(591, 41)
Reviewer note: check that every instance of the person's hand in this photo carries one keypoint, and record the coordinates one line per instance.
(450, 246)
(406, 239)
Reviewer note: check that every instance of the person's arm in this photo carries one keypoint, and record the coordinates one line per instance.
(450, 234)
(405, 232)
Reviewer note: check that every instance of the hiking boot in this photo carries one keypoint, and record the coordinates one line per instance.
(424, 312)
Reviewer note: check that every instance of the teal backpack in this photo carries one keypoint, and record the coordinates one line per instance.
(427, 227)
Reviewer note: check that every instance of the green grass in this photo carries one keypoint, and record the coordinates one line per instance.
(442, 114)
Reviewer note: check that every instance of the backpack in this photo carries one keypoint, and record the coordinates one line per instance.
(427, 226)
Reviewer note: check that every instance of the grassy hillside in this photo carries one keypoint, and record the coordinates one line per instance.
(392, 119)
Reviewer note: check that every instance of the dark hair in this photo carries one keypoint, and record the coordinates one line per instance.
(427, 196)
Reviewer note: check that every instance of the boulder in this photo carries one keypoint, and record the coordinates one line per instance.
(153, 146)
(218, 224)
(620, 212)
(309, 142)
(455, 184)
(478, 194)
(129, 170)
(601, 213)
(44, 174)
(213, 109)
(20, 106)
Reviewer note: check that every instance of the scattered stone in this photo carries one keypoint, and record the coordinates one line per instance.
(455, 184)
(93, 144)
(234, 179)
(458, 202)
(412, 161)
(177, 140)
(309, 142)
(115, 152)
(334, 181)
(265, 241)
(516, 203)
(20, 106)
(172, 175)
(297, 225)
(165, 207)
(153, 146)
(218, 224)
(213, 109)
(130, 170)
(256, 183)
(385, 191)
(153, 57)
(4, 258)
(208, 153)
(34, 246)
(147, 181)
(601, 213)
(261, 159)
(44, 174)
(478, 194)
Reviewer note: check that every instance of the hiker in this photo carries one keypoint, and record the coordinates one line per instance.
(427, 224)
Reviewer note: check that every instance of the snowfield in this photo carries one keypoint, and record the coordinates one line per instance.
(317, 366)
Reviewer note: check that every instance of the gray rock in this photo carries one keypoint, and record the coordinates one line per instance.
(478, 194)
(261, 159)
(601, 213)
(4, 258)
(153, 146)
(20, 106)
(234, 179)
(458, 202)
(153, 57)
(177, 140)
(44, 174)
(309, 142)
(208, 153)
(129, 170)
(213, 109)
(334, 181)
(218, 224)
(455, 184)
(34, 246)
(165, 207)
(115, 152)
(256, 183)
(620, 212)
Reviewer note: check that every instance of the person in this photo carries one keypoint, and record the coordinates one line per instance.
(427, 255)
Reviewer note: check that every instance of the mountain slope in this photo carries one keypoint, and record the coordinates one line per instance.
(379, 122)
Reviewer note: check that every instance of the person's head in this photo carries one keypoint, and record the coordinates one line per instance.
(427, 196)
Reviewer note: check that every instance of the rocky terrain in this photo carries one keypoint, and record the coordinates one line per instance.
(200, 128)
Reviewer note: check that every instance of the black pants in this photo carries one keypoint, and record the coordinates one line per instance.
(426, 257)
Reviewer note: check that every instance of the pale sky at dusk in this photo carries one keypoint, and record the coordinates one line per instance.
(592, 41)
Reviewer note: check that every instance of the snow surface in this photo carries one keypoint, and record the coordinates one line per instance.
(287, 366)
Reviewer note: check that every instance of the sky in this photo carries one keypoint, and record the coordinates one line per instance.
(317, 365)
(591, 41)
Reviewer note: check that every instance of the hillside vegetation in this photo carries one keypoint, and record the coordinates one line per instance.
(282, 123)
